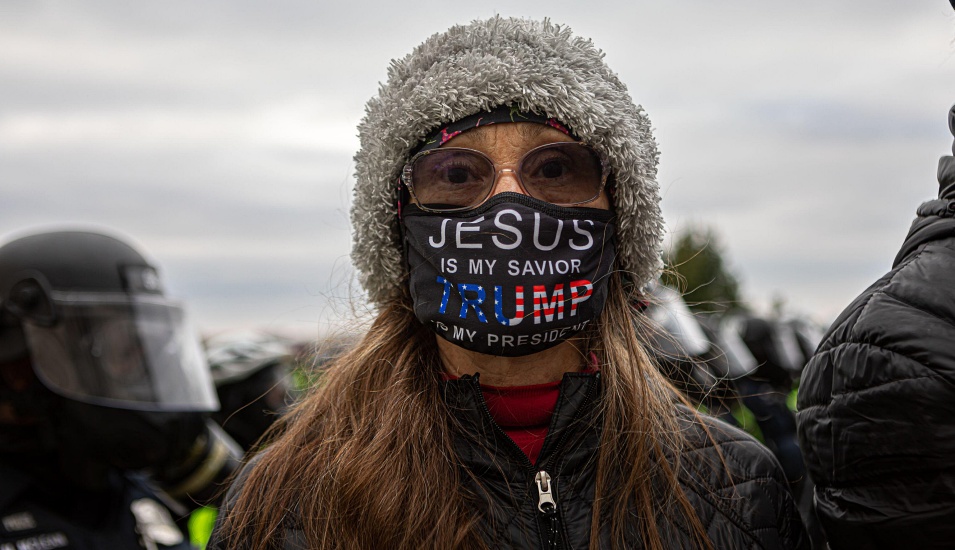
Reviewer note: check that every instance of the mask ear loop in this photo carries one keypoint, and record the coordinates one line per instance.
(611, 188)
(401, 193)
(402, 197)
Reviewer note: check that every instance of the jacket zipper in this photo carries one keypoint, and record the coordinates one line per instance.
(548, 507)
(550, 526)
(546, 504)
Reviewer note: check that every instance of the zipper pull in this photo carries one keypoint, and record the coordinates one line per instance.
(545, 502)
(547, 505)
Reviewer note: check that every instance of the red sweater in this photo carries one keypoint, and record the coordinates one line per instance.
(523, 412)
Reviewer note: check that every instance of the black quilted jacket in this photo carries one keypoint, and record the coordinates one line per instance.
(877, 401)
(747, 506)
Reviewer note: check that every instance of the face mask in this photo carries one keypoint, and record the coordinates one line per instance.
(511, 277)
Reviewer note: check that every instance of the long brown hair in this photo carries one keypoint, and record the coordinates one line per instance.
(366, 460)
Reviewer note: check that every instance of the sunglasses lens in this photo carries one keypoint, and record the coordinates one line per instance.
(451, 178)
(562, 173)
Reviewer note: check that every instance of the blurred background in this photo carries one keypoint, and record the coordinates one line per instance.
(219, 135)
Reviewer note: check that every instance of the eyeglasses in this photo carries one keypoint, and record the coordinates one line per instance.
(452, 178)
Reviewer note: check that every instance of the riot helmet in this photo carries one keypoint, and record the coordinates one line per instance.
(90, 313)
(116, 374)
(739, 360)
(684, 338)
(681, 343)
(252, 375)
(772, 354)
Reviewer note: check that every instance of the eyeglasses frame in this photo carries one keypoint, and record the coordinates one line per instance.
(409, 167)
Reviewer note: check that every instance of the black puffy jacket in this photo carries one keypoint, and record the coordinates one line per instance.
(745, 506)
(877, 400)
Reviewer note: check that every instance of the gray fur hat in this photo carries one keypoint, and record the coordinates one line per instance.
(534, 65)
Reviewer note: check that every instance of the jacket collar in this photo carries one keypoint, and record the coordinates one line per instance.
(573, 416)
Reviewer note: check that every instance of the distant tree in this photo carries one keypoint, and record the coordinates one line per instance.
(695, 266)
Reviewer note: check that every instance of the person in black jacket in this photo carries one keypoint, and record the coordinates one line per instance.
(877, 400)
(501, 397)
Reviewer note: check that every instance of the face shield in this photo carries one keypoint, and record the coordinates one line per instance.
(683, 336)
(740, 361)
(131, 351)
(787, 345)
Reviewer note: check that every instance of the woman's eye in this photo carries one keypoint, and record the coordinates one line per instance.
(457, 175)
(553, 169)
(548, 170)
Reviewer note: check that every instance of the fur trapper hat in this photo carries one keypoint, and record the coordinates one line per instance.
(536, 66)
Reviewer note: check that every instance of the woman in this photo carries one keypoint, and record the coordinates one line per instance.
(505, 215)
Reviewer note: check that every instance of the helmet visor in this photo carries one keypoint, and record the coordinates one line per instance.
(684, 337)
(738, 357)
(128, 351)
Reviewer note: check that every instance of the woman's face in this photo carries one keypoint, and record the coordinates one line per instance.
(494, 307)
(506, 143)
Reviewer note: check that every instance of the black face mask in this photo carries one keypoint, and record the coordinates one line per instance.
(511, 277)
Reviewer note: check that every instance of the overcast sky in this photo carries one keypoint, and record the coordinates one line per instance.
(218, 135)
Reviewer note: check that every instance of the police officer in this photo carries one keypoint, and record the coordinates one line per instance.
(101, 382)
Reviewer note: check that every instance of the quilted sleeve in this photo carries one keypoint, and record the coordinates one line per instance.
(877, 410)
